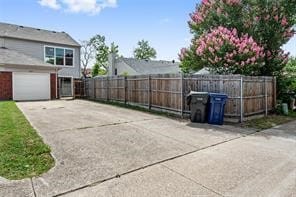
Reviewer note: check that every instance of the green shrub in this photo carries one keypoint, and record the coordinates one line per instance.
(287, 82)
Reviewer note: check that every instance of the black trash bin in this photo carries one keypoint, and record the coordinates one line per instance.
(198, 106)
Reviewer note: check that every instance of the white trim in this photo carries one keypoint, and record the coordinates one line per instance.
(33, 70)
(56, 73)
(54, 54)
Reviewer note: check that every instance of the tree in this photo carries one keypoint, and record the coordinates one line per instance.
(87, 54)
(268, 24)
(225, 52)
(290, 68)
(95, 70)
(144, 51)
(287, 82)
(114, 49)
(102, 51)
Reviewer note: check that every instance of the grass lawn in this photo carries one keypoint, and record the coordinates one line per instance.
(269, 121)
(22, 152)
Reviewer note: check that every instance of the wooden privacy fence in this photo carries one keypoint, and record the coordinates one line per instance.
(247, 96)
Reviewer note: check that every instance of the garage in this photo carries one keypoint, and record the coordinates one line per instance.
(31, 86)
(25, 78)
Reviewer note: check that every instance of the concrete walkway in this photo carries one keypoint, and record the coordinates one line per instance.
(102, 150)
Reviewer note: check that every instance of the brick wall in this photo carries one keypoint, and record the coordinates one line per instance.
(5, 85)
(53, 85)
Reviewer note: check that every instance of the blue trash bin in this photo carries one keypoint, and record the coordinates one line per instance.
(216, 108)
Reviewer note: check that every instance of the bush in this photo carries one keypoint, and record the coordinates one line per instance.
(287, 82)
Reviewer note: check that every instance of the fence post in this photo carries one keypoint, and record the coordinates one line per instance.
(149, 92)
(274, 92)
(182, 95)
(83, 83)
(83, 88)
(241, 99)
(125, 90)
(94, 86)
(107, 88)
(266, 96)
(73, 88)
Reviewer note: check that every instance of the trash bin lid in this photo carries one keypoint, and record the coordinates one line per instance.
(220, 95)
(198, 93)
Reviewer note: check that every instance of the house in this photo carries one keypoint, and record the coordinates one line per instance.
(203, 71)
(37, 64)
(131, 66)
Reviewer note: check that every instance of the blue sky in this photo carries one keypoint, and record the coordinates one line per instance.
(162, 22)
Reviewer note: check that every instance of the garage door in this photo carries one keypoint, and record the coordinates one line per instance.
(31, 86)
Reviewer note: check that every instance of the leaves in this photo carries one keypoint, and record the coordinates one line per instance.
(102, 51)
(144, 51)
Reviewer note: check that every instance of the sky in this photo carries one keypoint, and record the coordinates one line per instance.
(162, 22)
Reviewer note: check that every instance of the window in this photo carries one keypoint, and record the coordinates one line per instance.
(49, 55)
(59, 56)
(69, 57)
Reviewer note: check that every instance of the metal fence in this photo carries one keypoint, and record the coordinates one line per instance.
(248, 96)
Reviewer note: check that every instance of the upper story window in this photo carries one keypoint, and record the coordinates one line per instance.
(59, 56)
(69, 57)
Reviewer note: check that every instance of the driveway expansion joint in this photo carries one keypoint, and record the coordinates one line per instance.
(33, 188)
(192, 180)
(105, 125)
(146, 166)
(168, 154)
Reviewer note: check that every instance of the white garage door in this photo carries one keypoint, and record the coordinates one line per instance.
(31, 86)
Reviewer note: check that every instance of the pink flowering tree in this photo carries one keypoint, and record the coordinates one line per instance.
(213, 13)
(272, 26)
(225, 52)
(240, 36)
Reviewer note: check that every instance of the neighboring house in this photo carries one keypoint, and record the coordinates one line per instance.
(131, 66)
(37, 64)
(203, 71)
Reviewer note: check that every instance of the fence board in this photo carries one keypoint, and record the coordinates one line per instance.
(168, 91)
(79, 88)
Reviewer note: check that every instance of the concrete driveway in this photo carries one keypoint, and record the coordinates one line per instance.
(102, 150)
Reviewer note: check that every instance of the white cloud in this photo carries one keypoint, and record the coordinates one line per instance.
(80, 6)
(112, 3)
(53, 4)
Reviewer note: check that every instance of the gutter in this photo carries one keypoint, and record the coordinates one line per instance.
(24, 66)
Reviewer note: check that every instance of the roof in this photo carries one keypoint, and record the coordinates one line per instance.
(153, 67)
(204, 71)
(15, 58)
(35, 34)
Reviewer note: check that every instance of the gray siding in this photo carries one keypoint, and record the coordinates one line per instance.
(36, 50)
(1, 42)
